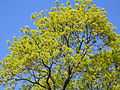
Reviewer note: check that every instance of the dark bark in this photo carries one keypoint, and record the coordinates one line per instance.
(70, 74)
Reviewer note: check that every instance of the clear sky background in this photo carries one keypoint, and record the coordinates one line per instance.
(15, 14)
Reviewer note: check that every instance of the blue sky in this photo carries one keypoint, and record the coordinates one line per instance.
(15, 14)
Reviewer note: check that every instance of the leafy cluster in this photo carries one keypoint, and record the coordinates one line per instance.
(74, 48)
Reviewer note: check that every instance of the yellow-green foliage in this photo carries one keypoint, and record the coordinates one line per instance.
(74, 48)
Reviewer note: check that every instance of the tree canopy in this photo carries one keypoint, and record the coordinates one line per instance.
(74, 48)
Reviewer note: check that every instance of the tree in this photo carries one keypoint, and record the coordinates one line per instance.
(74, 48)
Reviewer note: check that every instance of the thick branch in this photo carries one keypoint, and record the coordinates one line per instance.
(49, 75)
(70, 74)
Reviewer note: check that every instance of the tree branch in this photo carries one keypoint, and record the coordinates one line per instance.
(70, 74)
(49, 75)
(30, 81)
